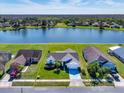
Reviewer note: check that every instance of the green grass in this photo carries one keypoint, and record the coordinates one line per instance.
(98, 84)
(38, 69)
(38, 84)
(6, 28)
(41, 84)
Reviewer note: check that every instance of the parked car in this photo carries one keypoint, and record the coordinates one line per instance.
(109, 79)
(116, 77)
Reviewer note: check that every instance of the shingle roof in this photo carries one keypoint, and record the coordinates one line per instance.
(20, 60)
(75, 55)
(92, 53)
(29, 53)
(58, 55)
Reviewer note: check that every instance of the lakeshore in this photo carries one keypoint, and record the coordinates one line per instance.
(61, 26)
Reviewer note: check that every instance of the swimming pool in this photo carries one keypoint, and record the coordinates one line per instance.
(74, 71)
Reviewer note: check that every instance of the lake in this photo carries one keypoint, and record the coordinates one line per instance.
(72, 35)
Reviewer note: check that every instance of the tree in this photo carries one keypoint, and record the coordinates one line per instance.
(96, 71)
(57, 64)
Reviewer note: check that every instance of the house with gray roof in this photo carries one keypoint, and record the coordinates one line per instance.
(93, 54)
(31, 56)
(68, 55)
(62, 55)
(118, 52)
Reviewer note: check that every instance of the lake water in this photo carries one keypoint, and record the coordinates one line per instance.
(61, 35)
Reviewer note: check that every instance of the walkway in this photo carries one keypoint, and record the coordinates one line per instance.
(25, 69)
(5, 81)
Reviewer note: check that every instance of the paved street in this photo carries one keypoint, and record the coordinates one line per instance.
(63, 90)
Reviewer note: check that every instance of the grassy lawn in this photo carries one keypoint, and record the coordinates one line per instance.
(38, 69)
(41, 84)
(98, 84)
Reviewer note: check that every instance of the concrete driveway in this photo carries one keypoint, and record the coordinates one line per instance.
(119, 83)
(75, 80)
(5, 81)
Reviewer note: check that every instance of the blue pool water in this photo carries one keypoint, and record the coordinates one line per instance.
(74, 71)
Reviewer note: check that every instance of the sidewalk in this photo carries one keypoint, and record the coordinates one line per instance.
(5, 81)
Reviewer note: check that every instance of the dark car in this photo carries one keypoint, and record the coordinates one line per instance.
(116, 77)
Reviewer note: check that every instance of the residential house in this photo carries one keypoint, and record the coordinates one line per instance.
(6, 24)
(115, 25)
(68, 57)
(19, 61)
(95, 24)
(105, 24)
(85, 24)
(17, 66)
(117, 51)
(93, 54)
(31, 56)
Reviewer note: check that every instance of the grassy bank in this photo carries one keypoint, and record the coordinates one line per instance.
(62, 25)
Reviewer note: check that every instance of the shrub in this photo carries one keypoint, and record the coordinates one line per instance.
(57, 64)
(83, 72)
(57, 71)
(38, 76)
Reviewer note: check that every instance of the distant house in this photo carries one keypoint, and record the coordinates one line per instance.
(34, 24)
(6, 24)
(27, 24)
(105, 24)
(31, 56)
(71, 24)
(93, 54)
(117, 51)
(66, 57)
(85, 24)
(95, 24)
(115, 25)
